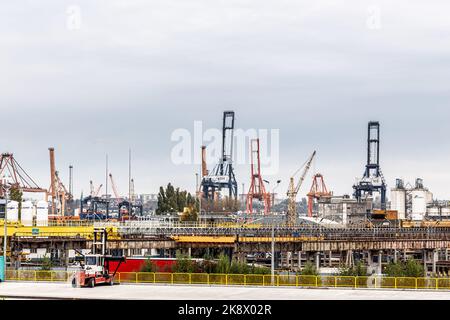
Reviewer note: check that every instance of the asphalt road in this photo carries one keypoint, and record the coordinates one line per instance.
(162, 292)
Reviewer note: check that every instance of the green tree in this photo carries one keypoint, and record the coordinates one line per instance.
(223, 264)
(410, 268)
(358, 270)
(15, 194)
(394, 269)
(47, 264)
(309, 270)
(184, 264)
(414, 269)
(148, 266)
(175, 200)
(237, 267)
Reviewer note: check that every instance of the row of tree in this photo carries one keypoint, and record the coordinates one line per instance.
(222, 265)
(171, 200)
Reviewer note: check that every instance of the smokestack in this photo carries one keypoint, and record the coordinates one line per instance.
(204, 168)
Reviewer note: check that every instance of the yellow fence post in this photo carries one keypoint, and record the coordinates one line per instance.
(119, 278)
(355, 279)
(416, 284)
(171, 278)
(35, 276)
(190, 278)
(208, 279)
(437, 283)
(395, 282)
(136, 277)
(226, 279)
(317, 281)
(335, 282)
(245, 280)
(296, 281)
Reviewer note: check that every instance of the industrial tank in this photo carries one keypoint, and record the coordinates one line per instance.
(41, 213)
(12, 211)
(27, 213)
(398, 202)
(419, 204)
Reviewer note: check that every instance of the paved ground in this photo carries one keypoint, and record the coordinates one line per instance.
(161, 292)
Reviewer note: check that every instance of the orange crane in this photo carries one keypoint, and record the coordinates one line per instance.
(294, 189)
(318, 191)
(116, 193)
(11, 172)
(257, 189)
(57, 190)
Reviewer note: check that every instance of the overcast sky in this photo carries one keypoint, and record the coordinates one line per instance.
(99, 77)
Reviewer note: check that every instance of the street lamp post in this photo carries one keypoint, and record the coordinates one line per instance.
(5, 236)
(273, 191)
(272, 262)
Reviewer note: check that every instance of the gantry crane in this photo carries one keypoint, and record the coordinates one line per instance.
(12, 173)
(222, 176)
(293, 190)
(318, 191)
(373, 179)
(257, 189)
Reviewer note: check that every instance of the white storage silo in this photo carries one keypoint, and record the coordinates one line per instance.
(398, 202)
(419, 204)
(41, 213)
(27, 213)
(429, 197)
(12, 211)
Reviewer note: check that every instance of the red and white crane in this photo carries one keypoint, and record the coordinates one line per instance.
(318, 191)
(114, 187)
(257, 189)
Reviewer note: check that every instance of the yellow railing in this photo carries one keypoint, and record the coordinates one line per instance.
(244, 280)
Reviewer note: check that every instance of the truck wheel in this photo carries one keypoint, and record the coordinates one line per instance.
(91, 283)
(74, 283)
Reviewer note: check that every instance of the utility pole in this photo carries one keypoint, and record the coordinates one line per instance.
(272, 262)
(273, 192)
(5, 237)
(129, 174)
(53, 179)
(106, 188)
